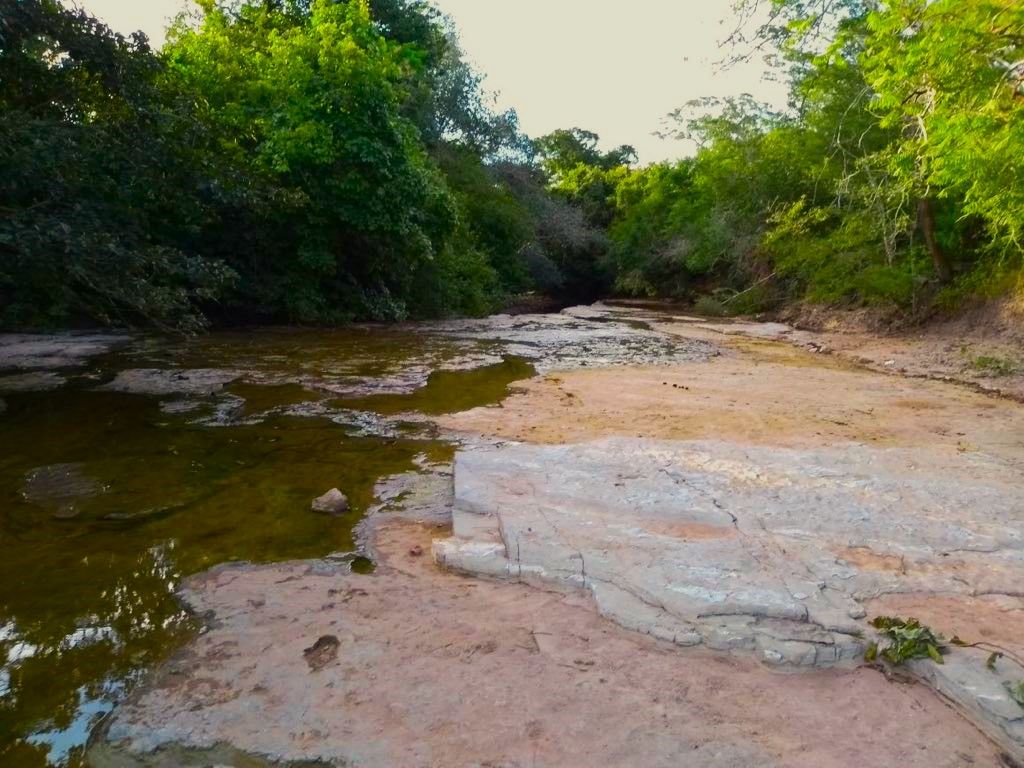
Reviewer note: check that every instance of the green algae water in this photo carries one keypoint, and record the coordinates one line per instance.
(449, 391)
(109, 498)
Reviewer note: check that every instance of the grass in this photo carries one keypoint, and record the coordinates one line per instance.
(993, 365)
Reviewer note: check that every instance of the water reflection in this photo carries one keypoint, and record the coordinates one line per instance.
(108, 499)
(62, 672)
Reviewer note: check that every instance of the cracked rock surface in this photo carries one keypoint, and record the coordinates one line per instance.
(33, 351)
(739, 546)
(748, 548)
(758, 506)
(576, 338)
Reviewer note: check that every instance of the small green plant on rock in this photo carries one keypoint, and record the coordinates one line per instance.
(907, 639)
(1016, 691)
(910, 639)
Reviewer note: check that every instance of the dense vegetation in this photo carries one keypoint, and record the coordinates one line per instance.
(896, 177)
(277, 160)
(327, 160)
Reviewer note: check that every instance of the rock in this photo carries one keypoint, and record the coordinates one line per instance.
(59, 350)
(577, 338)
(747, 547)
(773, 331)
(171, 381)
(322, 652)
(59, 489)
(439, 671)
(751, 549)
(981, 692)
(334, 502)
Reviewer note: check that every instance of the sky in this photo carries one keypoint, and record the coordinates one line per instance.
(611, 67)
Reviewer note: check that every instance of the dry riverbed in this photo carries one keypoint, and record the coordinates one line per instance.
(528, 660)
(433, 669)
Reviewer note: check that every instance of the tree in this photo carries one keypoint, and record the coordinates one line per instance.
(951, 75)
(103, 191)
(895, 171)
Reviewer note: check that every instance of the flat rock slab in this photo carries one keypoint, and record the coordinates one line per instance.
(433, 669)
(173, 381)
(576, 338)
(57, 350)
(767, 550)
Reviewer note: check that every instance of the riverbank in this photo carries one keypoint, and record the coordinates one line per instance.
(981, 347)
(436, 669)
(413, 665)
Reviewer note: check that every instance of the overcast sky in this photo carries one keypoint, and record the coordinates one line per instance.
(615, 68)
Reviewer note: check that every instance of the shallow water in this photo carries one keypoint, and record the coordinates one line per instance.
(161, 458)
(109, 499)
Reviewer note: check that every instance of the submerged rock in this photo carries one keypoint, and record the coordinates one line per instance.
(172, 381)
(34, 381)
(334, 502)
(59, 488)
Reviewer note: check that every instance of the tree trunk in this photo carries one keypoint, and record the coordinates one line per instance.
(926, 221)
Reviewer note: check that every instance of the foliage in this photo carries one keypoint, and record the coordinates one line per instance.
(1016, 691)
(565, 150)
(103, 192)
(566, 252)
(907, 639)
(310, 102)
(894, 178)
(994, 366)
(296, 160)
(326, 160)
(951, 75)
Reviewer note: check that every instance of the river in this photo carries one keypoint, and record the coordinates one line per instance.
(131, 461)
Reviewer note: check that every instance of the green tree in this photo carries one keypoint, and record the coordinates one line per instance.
(103, 192)
(949, 77)
(311, 100)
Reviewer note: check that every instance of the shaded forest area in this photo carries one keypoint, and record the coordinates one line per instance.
(320, 161)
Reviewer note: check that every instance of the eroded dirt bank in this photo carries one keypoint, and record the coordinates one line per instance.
(416, 666)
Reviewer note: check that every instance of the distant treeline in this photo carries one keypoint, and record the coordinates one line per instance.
(318, 161)
(896, 176)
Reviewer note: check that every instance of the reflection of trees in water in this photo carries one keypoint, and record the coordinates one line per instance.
(58, 678)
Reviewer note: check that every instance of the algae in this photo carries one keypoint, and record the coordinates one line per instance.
(449, 391)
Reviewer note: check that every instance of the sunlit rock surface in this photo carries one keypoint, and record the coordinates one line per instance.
(765, 550)
(433, 669)
(154, 381)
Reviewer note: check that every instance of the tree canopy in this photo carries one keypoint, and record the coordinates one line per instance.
(320, 161)
(894, 178)
(277, 160)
